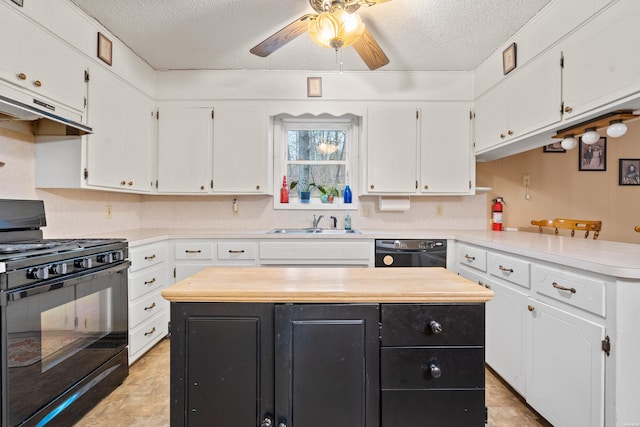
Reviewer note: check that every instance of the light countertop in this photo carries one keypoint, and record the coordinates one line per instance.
(326, 285)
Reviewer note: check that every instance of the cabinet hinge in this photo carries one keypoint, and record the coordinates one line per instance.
(380, 331)
(562, 108)
(156, 184)
(562, 60)
(470, 115)
(211, 184)
(86, 173)
(469, 184)
(174, 272)
(416, 184)
(158, 115)
(85, 102)
(212, 114)
(606, 345)
(417, 115)
(86, 76)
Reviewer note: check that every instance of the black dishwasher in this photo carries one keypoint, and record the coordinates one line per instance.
(411, 253)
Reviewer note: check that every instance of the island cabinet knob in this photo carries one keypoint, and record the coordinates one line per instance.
(435, 327)
(267, 422)
(434, 369)
(282, 425)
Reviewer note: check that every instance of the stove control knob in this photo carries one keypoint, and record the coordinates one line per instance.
(83, 263)
(58, 269)
(105, 258)
(118, 256)
(40, 273)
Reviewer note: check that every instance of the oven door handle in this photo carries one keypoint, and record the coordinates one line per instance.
(63, 282)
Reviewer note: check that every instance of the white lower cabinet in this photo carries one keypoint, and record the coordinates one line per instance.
(194, 255)
(566, 364)
(148, 311)
(545, 329)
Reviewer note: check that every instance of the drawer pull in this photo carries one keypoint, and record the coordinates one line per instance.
(435, 327)
(151, 307)
(152, 331)
(530, 308)
(192, 251)
(434, 370)
(149, 282)
(562, 288)
(147, 258)
(487, 286)
(470, 258)
(235, 251)
(505, 269)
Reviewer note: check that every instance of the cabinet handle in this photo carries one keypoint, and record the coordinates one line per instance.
(480, 283)
(530, 308)
(235, 251)
(282, 425)
(123, 182)
(192, 251)
(434, 370)
(148, 282)
(372, 186)
(37, 83)
(426, 187)
(257, 187)
(151, 307)
(22, 76)
(502, 136)
(568, 109)
(147, 258)
(562, 288)
(130, 183)
(505, 269)
(435, 327)
(470, 258)
(152, 331)
(510, 132)
(202, 187)
(487, 286)
(267, 422)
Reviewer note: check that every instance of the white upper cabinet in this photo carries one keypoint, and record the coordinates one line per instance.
(446, 161)
(120, 151)
(601, 61)
(35, 60)
(521, 103)
(240, 149)
(185, 137)
(392, 141)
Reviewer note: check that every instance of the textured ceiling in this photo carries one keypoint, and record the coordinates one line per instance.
(416, 35)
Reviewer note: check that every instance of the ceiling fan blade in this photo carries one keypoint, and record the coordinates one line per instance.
(370, 51)
(282, 37)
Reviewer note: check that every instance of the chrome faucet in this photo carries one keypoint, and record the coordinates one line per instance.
(316, 221)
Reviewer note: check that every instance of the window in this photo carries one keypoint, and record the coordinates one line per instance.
(317, 154)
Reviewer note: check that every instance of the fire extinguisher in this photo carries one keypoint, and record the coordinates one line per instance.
(496, 218)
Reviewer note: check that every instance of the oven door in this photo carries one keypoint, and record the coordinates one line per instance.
(57, 333)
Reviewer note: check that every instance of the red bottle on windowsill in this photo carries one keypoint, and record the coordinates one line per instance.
(284, 191)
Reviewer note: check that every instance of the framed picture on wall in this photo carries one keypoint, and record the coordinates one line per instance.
(628, 172)
(554, 147)
(592, 157)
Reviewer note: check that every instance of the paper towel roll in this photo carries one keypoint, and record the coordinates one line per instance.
(394, 203)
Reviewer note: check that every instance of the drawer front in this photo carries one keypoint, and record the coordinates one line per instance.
(147, 333)
(574, 289)
(472, 257)
(237, 250)
(194, 250)
(145, 281)
(433, 408)
(146, 308)
(511, 269)
(411, 368)
(316, 252)
(147, 255)
(417, 324)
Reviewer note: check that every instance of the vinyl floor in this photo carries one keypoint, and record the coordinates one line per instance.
(143, 399)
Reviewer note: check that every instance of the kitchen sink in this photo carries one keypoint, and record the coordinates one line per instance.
(310, 231)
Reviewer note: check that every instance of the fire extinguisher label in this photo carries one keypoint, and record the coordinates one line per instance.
(497, 217)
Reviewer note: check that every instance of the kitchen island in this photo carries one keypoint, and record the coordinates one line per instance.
(311, 347)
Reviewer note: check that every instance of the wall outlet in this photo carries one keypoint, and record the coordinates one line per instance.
(366, 209)
(235, 207)
(438, 209)
(108, 212)
(526, 179)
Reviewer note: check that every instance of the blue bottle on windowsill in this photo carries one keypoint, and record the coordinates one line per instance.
(347, 194)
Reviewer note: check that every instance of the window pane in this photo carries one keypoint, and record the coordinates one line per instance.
(324, 175)
(316, 145)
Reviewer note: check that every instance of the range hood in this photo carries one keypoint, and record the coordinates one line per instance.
(42, 114)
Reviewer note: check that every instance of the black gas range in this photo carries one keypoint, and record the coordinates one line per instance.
(63, 319)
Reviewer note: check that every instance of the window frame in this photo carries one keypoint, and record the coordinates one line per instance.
(348, 123)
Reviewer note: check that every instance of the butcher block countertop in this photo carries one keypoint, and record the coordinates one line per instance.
(326, 285)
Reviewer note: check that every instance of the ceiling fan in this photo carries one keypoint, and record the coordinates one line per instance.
(335, 25)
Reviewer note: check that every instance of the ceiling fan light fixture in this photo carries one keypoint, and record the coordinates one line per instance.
(336, 28)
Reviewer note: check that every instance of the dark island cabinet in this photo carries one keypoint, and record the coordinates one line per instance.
(318, 365)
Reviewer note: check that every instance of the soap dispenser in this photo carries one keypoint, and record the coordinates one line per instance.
(347, 221)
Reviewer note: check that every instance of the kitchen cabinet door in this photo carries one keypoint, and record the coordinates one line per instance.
(240, 149)
(328, 364)
(185, 136)
(601, 64)
(565, 367)
(490, 122)
(13, 53)
(120, 151)
(446, 162)
(392, 138)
